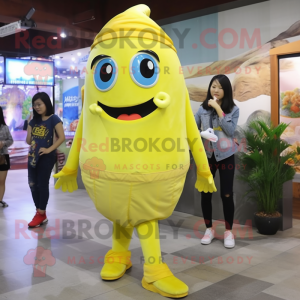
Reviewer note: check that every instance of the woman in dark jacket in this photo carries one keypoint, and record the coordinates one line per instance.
(6, 141)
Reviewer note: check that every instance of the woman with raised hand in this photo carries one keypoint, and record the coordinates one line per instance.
(219, 113)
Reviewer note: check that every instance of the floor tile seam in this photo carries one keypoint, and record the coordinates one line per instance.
(279, 282)
(293, 248)
(279, 259)
(24, 268)
(277, 267)
(36, 285)
(131, 283)
(213, 273)
(200, 255)
(254, 281)
(279, 298)
(239, 273)
(281, 287)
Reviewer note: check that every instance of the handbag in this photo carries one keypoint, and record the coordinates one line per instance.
(3, 159)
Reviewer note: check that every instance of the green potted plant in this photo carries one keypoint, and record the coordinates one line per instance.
(269, 163)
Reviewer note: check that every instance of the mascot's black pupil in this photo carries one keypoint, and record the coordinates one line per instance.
(147, 68)
(106, 72)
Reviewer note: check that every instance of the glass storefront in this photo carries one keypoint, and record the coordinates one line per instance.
(289, 102)
(16, 102)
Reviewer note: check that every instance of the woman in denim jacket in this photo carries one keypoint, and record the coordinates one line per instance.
(220, 113)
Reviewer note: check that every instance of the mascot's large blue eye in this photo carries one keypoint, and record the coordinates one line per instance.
(105, 74)
(144, 70)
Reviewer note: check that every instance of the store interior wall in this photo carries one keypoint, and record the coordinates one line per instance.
(235, 42)
(256, 29)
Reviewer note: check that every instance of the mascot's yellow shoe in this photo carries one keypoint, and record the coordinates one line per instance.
(115, 265)
(159, 279)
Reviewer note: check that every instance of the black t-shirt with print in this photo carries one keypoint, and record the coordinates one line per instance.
(41, 137)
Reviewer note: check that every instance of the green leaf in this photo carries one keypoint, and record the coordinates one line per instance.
(266, 169)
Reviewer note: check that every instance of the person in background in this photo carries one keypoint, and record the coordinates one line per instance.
(220, 113)
(41, 131)
(6, 141)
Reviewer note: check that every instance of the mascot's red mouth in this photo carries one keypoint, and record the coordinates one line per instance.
(125, 117)
(130, 113)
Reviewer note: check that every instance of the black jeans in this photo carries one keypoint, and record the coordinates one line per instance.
(226, 170)
(38, 179)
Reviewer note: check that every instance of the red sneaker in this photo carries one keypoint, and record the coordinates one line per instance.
(38, 220)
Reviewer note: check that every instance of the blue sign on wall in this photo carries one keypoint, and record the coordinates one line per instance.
(70, 108)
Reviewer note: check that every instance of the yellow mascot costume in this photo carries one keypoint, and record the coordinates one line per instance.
(132, 142)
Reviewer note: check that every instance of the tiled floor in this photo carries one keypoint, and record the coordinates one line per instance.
(77, 237)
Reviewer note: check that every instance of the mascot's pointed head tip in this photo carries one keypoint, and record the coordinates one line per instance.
(141, 9)
(134, 22)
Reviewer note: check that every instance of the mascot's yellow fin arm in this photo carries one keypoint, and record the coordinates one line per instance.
(195, 142)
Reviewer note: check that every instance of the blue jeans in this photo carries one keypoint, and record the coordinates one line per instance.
(38, 179)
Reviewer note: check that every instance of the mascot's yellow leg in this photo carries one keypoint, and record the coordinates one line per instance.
(157, 276)
(117, 260)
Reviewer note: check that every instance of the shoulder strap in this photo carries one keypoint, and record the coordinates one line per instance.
(5, 130)
(5, 136)
(210, 121)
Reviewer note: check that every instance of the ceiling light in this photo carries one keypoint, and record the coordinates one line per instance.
(56, 56)
(75, 76)
(11, 28)
(55, 37)
(73, 58)
(57, 63)
(63, 35)
(78, 53)
(68, 77)
(25, 23)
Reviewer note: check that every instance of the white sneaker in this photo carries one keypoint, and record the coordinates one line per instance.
(208, 236)
(229, 239)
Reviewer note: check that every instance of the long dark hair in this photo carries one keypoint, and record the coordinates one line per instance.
(46, 99)
(2, 121)
(227, 101)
